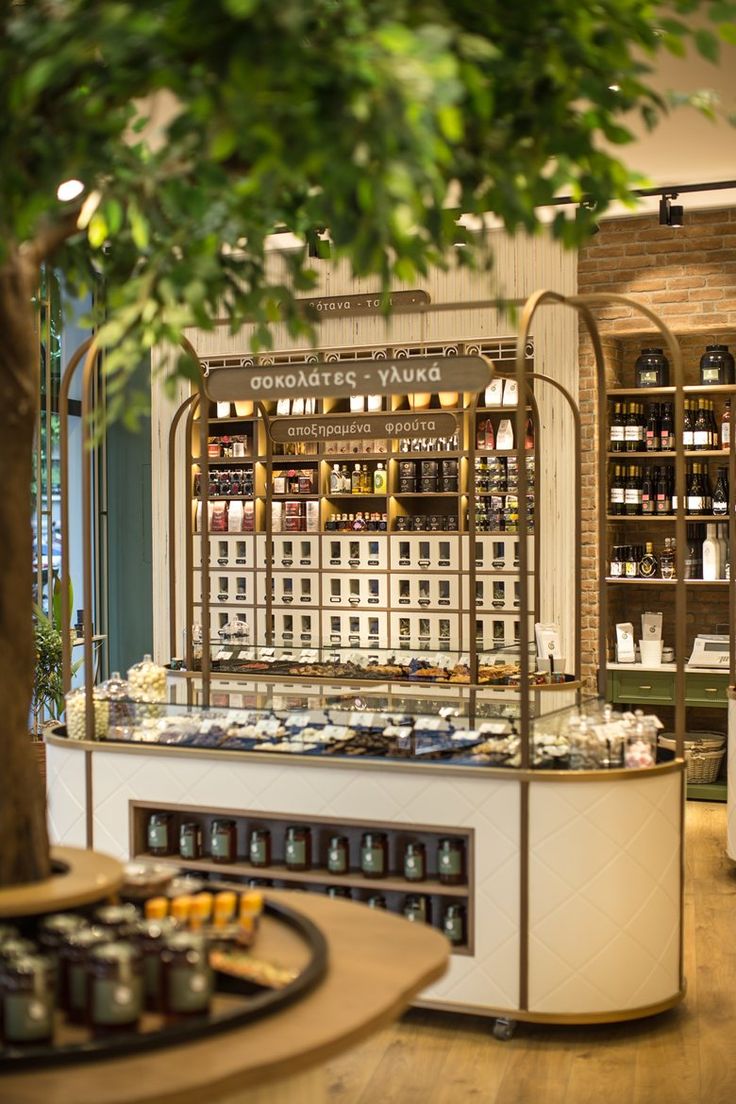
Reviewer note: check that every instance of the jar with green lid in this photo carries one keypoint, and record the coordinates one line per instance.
(374, 854)
(26, 1000)
(75, 714)
(416, 909)
(454, 924)
(151, 938)
(298, 847)
(338, 855)
(259, 847)
(224, 840)
(114, 988)
(415, 862)
(451, 861)
(160, 834)
(377, 901)
(190, 839)
(119, 921)
(73, 954)
(186, 975)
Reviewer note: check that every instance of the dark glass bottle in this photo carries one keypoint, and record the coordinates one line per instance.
(652, 428)
(716, 365)
(720, 493)
(662, 493)
(633, 429)
(701, 429)
(687, 432)
(666, 428)
(616, 429)
(648, 564)
(648, 483)
(616, 504)
(632, 492)
(694, 500)
(652, 368)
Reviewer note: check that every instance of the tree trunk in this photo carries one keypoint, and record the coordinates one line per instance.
(24, 847)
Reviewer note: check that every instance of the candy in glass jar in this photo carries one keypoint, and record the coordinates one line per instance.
(116, 693)
(147, 681)
(75, 714)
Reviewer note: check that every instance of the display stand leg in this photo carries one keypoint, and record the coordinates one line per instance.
(504, 1029)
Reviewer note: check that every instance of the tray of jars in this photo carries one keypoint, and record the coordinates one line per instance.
(149, 973)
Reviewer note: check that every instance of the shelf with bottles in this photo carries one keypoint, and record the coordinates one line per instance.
(650, 427)
(707, 557)
(615, 393)
(619, 581)
(648, 491)
(689, 454)
(357, 480)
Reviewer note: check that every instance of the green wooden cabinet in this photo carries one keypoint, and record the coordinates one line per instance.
(642, 687)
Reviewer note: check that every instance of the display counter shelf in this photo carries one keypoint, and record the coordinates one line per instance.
(554, 853)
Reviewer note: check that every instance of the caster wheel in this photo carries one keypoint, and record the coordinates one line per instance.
(504, 1029)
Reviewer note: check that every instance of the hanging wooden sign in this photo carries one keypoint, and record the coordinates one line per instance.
(344, 427)
(331, 306)
(342, 378)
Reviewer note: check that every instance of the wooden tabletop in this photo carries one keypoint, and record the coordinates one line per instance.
(90, 876)
(378, 963)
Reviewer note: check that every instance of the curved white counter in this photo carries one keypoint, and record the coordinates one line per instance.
(575, 878)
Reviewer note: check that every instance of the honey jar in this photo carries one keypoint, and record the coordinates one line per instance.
(160, 834)
(73, 955)
(190, 840)
(338, 855)
(259, 847)
(152, 938)
(298, 848)
(186, 975)
(224, 841)
(119, 921)
(26, 999)
(415, 862)
(374, 854)
(417, 909)
(451, 861)
(454, 924)
(114, 988)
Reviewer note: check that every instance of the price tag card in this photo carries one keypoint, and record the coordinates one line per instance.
(444, 659)
(308, 655)
(464, 659)
(268, 726)
(268, 653)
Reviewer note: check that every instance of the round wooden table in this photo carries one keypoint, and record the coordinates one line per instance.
(378, 963)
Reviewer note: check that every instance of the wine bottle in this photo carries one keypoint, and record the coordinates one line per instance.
(720, 492)
(616, 429)
(662, 493)
(648, 484)
(726, 427)
(693, 493)
(617, 491)
(666, 428)
(701, 428)
(632, 429)
(667, 559)
(648, 564)
(652, 430)
(687, 433)
(632, 492)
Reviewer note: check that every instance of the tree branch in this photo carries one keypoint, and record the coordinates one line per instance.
(51, 237)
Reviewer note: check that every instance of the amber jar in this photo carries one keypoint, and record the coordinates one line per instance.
(73, 955)
(374, 854)
(114, 988)
(151, 939)
(298, 848)
(224, 841)
(417, 909)
(259, 848)
(119, 921)
(161, 834)
(451, 861)
(26, 1000)
(338, 891)
(377, 901)
(190, 840)
(415, 862)
(186, 975)
(338, 855)
(454, 925)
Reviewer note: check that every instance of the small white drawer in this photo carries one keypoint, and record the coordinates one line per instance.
(343, 552)
(230, 588)
(424, 591)
(430, 632)
(359, 591)
(298, 551)
(420, 551)
(354, 629)
(227, 550)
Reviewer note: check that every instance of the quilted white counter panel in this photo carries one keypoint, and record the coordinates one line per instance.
(489, 979)
(604, 894)
(65, 795)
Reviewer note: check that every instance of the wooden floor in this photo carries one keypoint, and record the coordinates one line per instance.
(686, 1056)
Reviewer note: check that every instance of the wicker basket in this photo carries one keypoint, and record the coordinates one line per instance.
(703, 755)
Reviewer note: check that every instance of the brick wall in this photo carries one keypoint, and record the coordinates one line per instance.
(688, 276)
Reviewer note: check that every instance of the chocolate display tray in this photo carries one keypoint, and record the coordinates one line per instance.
(235, 1004)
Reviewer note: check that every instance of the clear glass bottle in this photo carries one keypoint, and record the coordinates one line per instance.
(667, 559)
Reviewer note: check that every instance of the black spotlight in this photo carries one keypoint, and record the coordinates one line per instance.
(670, 214)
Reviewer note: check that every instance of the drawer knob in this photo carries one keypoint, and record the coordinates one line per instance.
(647, 687)
(711, 689)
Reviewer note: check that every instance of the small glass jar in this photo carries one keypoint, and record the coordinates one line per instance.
(224, 841)
(451, 861)
(75, 714)
(53, 931)
(114, 988)
(415, 862)
(416, 909)
(151, 939)
(298, 848)
(119, 921)
(186, 975)
(147, 681)
(190, 840)
(160, 834)
(259, 847)
(16, 948)
(338, 855)
(73, 955)
(454, 925)
(116, 692)
(377, 901)
(374, 854)
(339, 891)
(26, 1000)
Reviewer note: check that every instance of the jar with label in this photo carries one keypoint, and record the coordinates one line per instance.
(416, 909)
(119, 921)
(114, 988)
(73, 955)
(415, 862)
(451, 861)
(377, 901)
(190, 840)
(161, 834)
(454, 925)
(259, 847)
(26, 1000)
(338, 855)
(224, 841)
(374, 854)
(338, 891)
(7, 931)
(298, 848)
(186, 975)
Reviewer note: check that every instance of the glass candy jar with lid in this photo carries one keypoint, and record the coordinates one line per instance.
(75, 714)
(147, 681)
(26, 999)
(116, 693)
(652, 368)
(716, 365)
